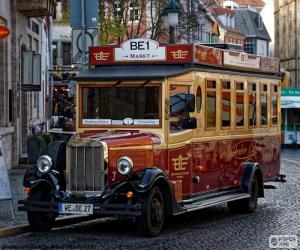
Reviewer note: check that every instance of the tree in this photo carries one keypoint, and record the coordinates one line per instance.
(122, 20)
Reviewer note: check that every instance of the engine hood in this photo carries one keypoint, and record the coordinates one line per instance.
(115, 139)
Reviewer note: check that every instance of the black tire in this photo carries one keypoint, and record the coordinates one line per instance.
(57, 152)
(247, 205)
(151, 221)
(40, 221)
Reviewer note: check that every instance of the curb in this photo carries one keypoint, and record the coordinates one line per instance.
(60, 222)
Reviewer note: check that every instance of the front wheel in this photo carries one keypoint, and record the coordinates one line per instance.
(151, 221)
(40, 221)
(247, 205)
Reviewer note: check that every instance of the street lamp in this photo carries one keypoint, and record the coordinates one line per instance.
(170, 11)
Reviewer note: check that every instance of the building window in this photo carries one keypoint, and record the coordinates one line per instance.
(250, 45)
(260, 23)
(35, 28)
(211, 103)
(225, 104)
(134, 11)
(54, 53)
(118, 9)
(67, 53)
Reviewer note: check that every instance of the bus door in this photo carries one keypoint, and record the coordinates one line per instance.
(180, 161)
(180, 158)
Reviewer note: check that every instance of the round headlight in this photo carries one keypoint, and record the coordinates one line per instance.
(44, 164)
(125, 166)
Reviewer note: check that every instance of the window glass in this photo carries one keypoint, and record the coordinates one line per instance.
(210, 104)
(199, 99)
(67, 53)
(121, 106)
(274, 105)
(239, 98)
(177, 106)
(264, 105)
(252, 104)
(226, 104)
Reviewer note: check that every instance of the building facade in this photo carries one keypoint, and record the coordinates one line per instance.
(23, 107)
(287, 38)
(251, 25)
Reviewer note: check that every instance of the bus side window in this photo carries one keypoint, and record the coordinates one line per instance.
(239, 115)
(274, 105)
(264, 104)
(252, 104)
(199, 99)
(225, 104)
(177, 107)
(210, 103)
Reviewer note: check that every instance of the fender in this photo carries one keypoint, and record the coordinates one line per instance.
(41, 183)
(148, 178)
(145, 180)
(250, 169)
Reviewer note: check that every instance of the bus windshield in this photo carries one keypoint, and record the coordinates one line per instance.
(121, 105)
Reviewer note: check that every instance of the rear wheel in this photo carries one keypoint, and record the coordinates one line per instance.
(40, 221)
(151, 221)
(247, 205)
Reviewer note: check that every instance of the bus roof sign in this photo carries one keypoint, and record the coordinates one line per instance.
(142, 50)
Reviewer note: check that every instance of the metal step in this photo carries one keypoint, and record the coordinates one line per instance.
(215, 201)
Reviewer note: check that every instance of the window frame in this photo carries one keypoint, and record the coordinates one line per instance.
(237, 91)
(256, 102)
(271, 103)
(80, 109)
(189, 88)
(230, 102)
(216, 103)
(268, 104)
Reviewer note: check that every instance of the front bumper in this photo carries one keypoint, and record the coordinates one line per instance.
(131, 210)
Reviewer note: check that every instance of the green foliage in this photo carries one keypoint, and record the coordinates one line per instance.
(43, 140)
(66, 16)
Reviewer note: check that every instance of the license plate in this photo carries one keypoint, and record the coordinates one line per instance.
(69, 208)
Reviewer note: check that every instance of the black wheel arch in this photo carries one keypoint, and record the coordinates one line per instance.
(252, 169)
(43, 185)
(144, 181)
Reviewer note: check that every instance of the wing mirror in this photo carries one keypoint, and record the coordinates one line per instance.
(189, 102)
(189, 123)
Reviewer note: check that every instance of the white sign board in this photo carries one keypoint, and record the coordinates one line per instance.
(140, 49)
(91, 39)
(241, 60)
(5, 191)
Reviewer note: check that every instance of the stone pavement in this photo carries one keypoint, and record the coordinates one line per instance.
(16, 182)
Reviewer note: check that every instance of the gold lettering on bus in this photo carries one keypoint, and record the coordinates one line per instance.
(180, 163)
(179, 54)
(101, 56)
(243, 149)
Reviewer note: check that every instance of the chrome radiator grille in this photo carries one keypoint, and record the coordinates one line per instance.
(85, 168)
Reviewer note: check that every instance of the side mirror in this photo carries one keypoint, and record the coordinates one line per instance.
(189, 123)
(189, 102)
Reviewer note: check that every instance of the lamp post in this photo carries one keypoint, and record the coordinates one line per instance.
(170, 11)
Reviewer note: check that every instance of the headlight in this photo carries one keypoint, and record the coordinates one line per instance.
(125, 166)
(44, 164)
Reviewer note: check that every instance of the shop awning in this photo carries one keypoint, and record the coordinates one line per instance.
(290, 102)
(133, 72)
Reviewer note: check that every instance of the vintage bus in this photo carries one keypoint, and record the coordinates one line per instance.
(161, 131)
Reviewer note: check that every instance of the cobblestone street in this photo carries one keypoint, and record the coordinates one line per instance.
(213, 228)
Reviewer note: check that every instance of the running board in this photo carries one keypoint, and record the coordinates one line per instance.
(215, 201)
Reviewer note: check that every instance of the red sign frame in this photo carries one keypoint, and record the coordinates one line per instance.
(4, 32)
(105, 55)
